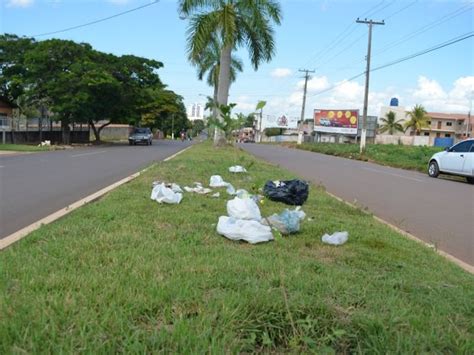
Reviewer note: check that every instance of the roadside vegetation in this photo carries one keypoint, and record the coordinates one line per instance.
(24, 148)
(397, 156)
(125, 274)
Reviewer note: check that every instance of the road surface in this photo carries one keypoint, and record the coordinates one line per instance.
(32, 186)
(438, 211)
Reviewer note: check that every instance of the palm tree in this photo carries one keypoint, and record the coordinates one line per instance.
(209, 62)
(234, 23)
(390, 124)
(418, 119)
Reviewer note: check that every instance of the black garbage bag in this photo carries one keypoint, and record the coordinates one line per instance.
(292, 192)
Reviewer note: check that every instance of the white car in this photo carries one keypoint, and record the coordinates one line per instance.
(457, 160)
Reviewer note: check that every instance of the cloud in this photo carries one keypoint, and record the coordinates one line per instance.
(281, 72)
(433, 97)
(315, 84)
(20, 3)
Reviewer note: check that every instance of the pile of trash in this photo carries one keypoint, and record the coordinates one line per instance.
(244, 220)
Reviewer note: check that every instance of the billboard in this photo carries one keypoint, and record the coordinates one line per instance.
(336, 121)
(282, 121)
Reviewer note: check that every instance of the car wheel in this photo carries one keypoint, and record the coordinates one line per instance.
(130, 143)
(470, 179)
(134, 143)
(151, 142)
(433, 169)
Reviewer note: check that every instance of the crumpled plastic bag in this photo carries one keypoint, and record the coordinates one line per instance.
(237, 169)
(292, 192)
(172, 186)
(286, 222)
(217, 181)
(337, 238)
(163, 194)
(243, 208)
(230, 189)
(240, 229)
(198, 188)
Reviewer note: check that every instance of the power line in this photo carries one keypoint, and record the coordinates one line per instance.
(96, 21)
(425, 51)
(425, 28)
(402, 9)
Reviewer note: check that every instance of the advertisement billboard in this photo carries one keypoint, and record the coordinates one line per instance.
(336, 121)
(282, 121)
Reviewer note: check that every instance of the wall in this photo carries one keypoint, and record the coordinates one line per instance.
(404, 140)
(114, 132)
(54, 136)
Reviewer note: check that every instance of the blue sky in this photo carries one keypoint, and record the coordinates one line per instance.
(319, 34)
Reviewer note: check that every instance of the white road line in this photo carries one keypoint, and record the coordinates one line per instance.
(393, 174)
(84, 154)
(2, 166)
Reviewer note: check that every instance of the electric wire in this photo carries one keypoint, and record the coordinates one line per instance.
(95, 21)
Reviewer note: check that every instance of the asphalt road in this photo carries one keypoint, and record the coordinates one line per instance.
(438, 211)
(32, 186)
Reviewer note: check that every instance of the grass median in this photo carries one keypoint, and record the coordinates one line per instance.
(23, 148)
(397, 156)
(125, 274)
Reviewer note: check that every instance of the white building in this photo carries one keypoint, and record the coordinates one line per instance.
(196, 112)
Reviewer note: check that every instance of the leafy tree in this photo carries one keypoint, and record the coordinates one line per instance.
(418, 119)
(197, 127)
(227, 124)
(390, 124)
(235, 23)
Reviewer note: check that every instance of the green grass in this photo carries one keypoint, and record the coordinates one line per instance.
(398, 156)
(125, 274)
(23, 148)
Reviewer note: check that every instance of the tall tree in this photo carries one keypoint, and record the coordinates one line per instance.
(390, 124)
(209, 62)
(235, 23)
(418, 119)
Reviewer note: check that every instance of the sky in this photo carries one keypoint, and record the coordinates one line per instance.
(319, 35)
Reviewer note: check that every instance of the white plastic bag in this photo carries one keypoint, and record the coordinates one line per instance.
(230, 189)
(240, 229)
(217, 181)
(161, 193)
(237, 169)
(199, 189)
(243, 208)
(337, 238)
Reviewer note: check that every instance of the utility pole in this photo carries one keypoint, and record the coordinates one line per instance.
(367, 75)
(300, 126)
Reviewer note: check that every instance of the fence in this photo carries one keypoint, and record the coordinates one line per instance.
(54, 136)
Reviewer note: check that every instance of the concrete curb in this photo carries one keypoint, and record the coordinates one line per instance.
(463, 265)
(20, 234)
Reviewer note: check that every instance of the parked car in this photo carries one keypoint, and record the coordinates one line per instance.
(140, 135)
(456, 160)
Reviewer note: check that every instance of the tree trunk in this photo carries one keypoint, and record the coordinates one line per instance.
(65, 132)
(223, 88)
(97, 131)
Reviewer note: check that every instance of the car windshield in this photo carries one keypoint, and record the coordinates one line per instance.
(140, 130)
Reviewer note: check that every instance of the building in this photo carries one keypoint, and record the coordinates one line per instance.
(196, 112)
(447, 125)
(444, 128)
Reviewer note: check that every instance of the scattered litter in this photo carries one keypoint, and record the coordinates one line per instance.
(286, 222)
(240, 229)
(217, 181)
(199, 189)
(337, 238)
(172, 186)
(243, 208)
(45, 144)
(292, 192)
(241, 193)
(161, 193)
(237, 169)
(230, 189)
(216, 195)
